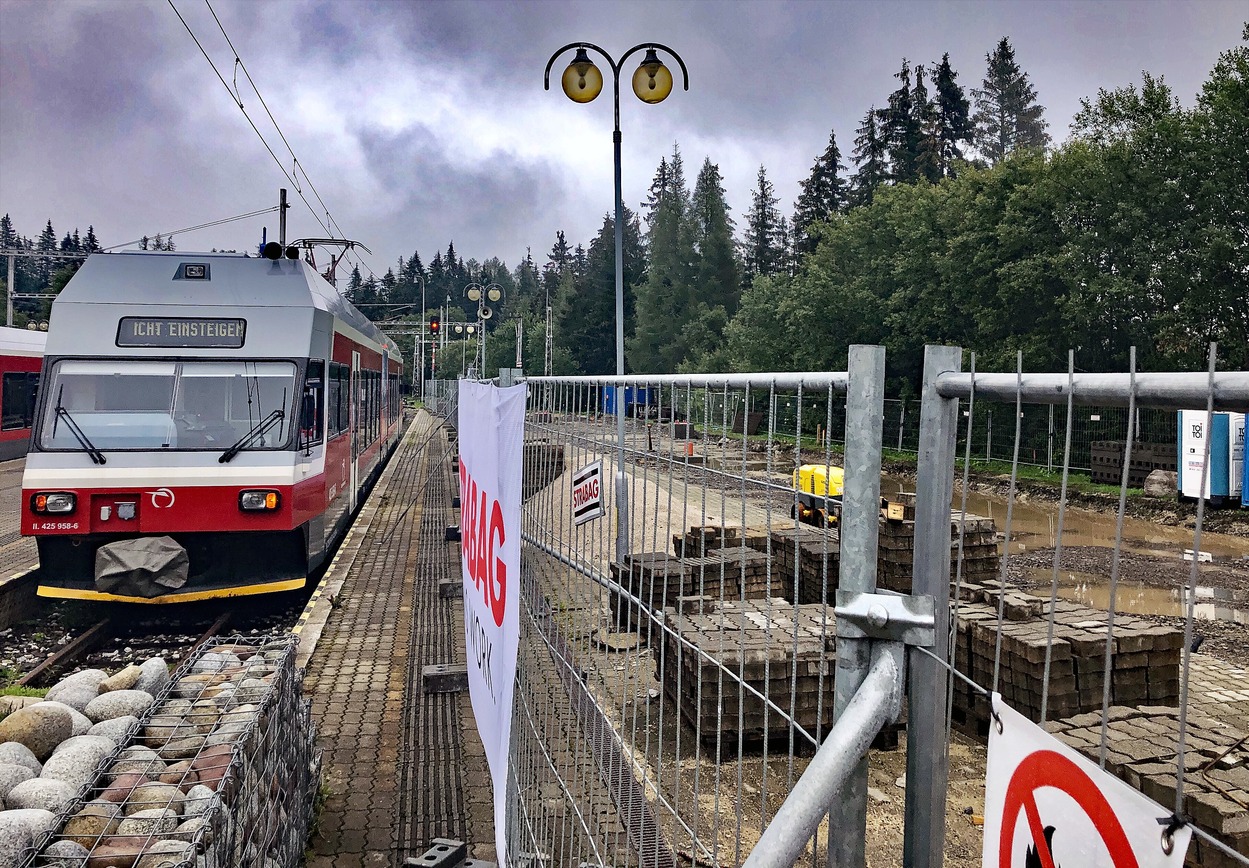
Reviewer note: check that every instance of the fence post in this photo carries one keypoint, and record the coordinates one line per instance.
(927, 757)
(988, 437)
(860, 531)
(901, 421)
(1049, 450)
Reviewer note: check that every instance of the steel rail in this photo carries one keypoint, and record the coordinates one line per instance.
(81, 644)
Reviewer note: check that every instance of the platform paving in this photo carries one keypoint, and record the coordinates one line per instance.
(19, 556)
(400, 766)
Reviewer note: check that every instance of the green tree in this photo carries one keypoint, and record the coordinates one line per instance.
(871, 158)
(953, 118)
(761, 252)
(665, 296)
(587, 308)
(899, 125)
(90, 244)
(823, 194)
(1008, 117)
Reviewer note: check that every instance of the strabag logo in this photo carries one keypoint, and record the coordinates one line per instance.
(483, 537)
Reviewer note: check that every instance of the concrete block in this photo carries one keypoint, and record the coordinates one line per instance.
(444, 678)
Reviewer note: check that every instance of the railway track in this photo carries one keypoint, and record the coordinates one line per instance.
(71, 636)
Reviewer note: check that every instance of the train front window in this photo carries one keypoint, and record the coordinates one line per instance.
(187, 405)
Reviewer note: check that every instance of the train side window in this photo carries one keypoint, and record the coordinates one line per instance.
(310, 432)
(17, 397)
(344, 399)
(333, 397)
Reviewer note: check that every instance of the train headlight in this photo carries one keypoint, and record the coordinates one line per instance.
(259, 501)
(53, 502)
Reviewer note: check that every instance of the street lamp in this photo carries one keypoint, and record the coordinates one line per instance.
(461, 328)
(481, 294)
(420, 333)
(652, 82)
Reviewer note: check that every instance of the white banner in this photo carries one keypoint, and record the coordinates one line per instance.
(492, 433)
(1047, 806)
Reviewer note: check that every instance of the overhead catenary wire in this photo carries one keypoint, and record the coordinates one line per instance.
(238, 102)
(200, 226)
(295, 160)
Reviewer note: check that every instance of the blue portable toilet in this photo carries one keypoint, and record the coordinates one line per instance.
(1226, 477)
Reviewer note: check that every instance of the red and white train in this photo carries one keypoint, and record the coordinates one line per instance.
(206, 426)
(21, 352)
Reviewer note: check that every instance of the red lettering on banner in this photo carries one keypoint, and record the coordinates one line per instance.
(498, 586)
(483, 534)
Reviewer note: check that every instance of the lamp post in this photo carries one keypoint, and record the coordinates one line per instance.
(420, 334)
(460, 328)
(481, 294)
(652, 82)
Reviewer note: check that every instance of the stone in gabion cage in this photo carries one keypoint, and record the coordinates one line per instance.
(220, 772)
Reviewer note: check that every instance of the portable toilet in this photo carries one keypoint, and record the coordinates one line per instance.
(1225, 478)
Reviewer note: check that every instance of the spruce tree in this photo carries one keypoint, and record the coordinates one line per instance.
(1008, 117)
(870, 157)
(663, 298)
(823, 195)
(90, 244)
(560, 253)
(8, 235)
(953, 117)
(900, 129)
(928, 142)
(43, 267)
(761, 249)
(718, 277)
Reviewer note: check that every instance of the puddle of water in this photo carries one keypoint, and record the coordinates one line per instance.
(1035, 526)
(1092, 590)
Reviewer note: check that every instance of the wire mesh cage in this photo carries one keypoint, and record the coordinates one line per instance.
(222, 770)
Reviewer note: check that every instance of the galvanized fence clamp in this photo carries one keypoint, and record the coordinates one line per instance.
(908, 620)
(898, 620)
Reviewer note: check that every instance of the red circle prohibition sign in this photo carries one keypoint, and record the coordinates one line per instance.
(1046, 768)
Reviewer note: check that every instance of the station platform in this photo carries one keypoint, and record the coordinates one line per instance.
(19, 556)
(400, 765)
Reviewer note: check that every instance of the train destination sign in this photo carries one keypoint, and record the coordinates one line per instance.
(164, 331)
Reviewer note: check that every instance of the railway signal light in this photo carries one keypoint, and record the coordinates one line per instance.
(435, 325)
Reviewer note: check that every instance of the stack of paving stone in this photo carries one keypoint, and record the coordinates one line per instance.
(660, 580)
(1141, 749)
(701, 538)
(808, 553)
(1145, 657)
(754, 641)
(896, 548)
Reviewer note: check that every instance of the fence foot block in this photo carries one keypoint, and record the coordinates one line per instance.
(450, 589)
(442, 853)
(444, 678)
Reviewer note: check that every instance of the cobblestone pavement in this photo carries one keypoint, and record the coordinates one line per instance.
(18, 554)
(399, 766)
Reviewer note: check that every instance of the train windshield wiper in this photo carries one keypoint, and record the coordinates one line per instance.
(260, 428)
(96, 455)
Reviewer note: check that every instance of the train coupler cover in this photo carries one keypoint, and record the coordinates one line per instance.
(141, 567)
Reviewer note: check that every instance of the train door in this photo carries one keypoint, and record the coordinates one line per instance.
(355, 391)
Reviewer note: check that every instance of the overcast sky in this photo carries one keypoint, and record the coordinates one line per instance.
(421, 123)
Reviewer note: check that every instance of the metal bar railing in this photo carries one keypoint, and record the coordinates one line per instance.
(876, 702)
(1171, 391)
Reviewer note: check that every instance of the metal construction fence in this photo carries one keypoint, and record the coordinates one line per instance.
(703, 666)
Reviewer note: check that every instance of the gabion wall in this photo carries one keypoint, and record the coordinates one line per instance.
(221, 772)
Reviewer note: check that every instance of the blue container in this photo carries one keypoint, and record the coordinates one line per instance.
(634, 396)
